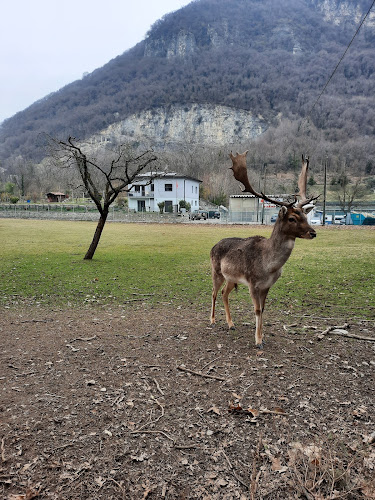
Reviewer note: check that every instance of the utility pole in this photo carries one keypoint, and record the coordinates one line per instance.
(264, 188)
(324, 192)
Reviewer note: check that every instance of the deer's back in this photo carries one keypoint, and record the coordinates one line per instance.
(241, 260)
(237, 249)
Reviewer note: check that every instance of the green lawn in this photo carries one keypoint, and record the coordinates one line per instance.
(42, 263)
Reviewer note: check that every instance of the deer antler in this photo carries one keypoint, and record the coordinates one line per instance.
(240, 174)
(302, 184)
(240, 170)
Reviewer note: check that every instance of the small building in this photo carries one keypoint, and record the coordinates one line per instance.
(249, 208)
(56, 197)
(148, 190)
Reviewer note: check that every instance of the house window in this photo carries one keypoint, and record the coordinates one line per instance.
(196, 190)
(152, 188)
(137, 189)
(168, 187)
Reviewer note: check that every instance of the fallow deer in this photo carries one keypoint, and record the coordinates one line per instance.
(256, 261)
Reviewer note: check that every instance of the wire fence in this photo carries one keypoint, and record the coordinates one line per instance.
(82, 213)
(117, 214)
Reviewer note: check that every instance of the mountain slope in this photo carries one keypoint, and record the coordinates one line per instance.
(268, 57)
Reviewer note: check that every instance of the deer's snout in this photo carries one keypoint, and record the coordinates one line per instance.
(309, 234)
(312, 233)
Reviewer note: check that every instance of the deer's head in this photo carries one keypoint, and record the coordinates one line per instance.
(292, 218)
(292, 221)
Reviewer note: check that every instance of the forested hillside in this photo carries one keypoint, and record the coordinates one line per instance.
(271, 57)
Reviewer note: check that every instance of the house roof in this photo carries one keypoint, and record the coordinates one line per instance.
(166, 175)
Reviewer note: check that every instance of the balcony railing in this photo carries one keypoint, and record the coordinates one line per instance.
(141, 194)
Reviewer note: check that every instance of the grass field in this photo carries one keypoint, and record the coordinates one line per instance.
(42, 263)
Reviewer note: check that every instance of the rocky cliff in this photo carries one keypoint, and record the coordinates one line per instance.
(196, 124)
(339, 12)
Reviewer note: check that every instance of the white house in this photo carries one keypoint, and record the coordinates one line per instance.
(146, 192)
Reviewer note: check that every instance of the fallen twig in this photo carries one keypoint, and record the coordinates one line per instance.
(254, 476)
(305, 366)
(341, 331)
(25, 374)
(158, 386)
(209, 363)
(153, 432)
(186, 446)
(152, 421)
(36, 320)
(83, 339)
(232, 470)
(199, 374)
(3, 459)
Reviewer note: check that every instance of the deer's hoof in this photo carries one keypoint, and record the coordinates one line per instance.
(260, 346)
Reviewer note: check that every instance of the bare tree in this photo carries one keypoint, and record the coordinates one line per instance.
(348, 193)
(103, 178)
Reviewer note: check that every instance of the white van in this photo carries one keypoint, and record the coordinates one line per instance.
(338, 219)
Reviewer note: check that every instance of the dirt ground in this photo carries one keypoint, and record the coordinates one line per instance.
(105, 404)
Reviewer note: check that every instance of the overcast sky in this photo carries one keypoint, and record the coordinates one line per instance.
(46, 44)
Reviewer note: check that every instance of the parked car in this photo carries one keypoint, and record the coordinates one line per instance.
(213, 214)
(274, 218)
(198, 215)
(315, 221)
(339, 218)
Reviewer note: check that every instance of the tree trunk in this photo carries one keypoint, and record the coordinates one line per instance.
(98, 232)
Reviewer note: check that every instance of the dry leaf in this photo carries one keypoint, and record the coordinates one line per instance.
(236, 396)
(222, 482)
(234, 408)
(277, 467)
(254, 413)
(278, 410)
(214, 409)
(99, 481)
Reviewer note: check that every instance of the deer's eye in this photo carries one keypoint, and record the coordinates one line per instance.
(291, 219)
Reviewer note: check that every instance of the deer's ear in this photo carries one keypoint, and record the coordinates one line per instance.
(283, 212)
(308, 208)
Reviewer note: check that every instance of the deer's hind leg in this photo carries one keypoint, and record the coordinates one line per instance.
(226, 291)
(217, 281)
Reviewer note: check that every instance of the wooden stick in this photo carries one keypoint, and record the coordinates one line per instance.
(158, 386)
(3, 459)
(183, 369)
(352, 336)
(337, 330)
(153, 432)
(83, 339)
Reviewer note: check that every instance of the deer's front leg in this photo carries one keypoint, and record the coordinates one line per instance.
(259, 298)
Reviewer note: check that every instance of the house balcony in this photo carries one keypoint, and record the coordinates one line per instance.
(141, 195)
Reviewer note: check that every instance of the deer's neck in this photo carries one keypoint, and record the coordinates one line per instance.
(281, 245)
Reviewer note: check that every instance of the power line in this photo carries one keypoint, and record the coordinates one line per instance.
(338, 64)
